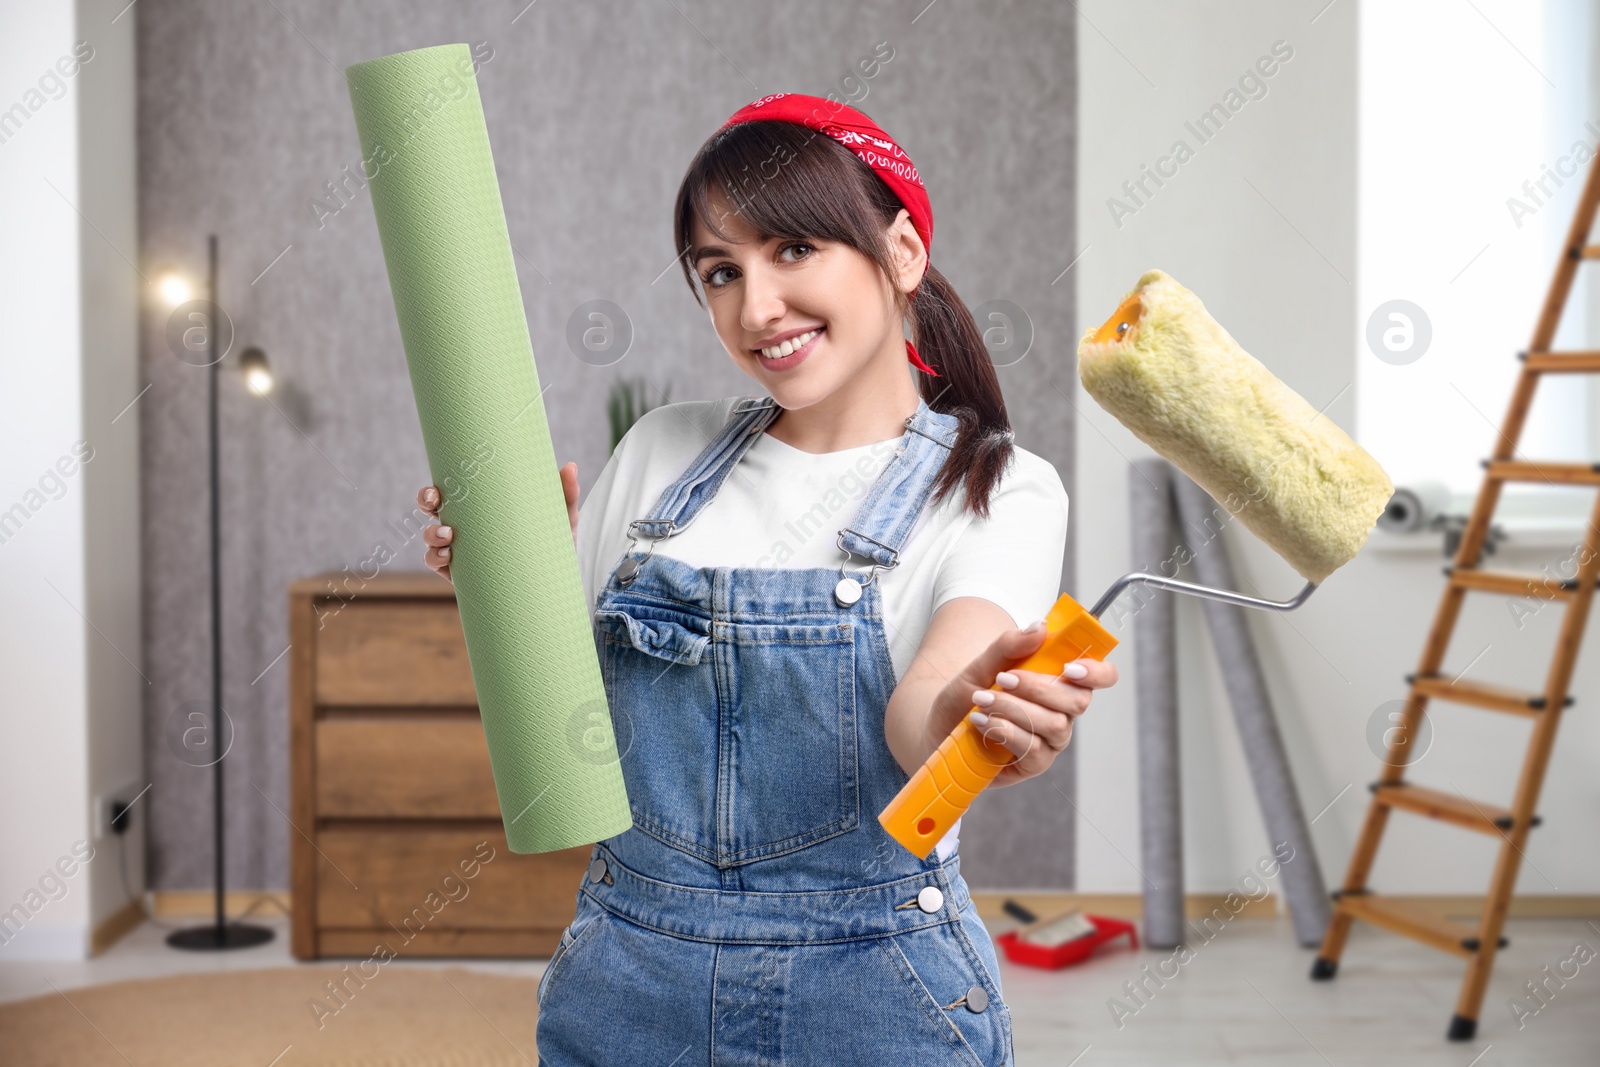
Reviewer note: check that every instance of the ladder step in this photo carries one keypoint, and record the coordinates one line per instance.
(1512, 470)
(1480, 694)
(1585, 252)
(1447, 935)
(1569, 362)
(1454, 808)
(1513, 583)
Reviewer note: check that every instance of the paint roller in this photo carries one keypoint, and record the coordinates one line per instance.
(1174, 377)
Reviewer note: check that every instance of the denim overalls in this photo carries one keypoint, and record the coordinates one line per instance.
(756, 912)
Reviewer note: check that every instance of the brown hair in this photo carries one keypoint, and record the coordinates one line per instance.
(787, 180)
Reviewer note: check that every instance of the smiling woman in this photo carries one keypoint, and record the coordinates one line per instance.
(874, 537)
(833, 234)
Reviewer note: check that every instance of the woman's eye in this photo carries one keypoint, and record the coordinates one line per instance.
(709, 279)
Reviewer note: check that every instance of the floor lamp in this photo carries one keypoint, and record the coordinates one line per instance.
(221, 934)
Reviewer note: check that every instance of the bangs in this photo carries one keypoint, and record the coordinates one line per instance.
(782, 180)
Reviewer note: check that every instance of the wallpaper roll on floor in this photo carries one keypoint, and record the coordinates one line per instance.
(1264, 753)
(425, 152)
(1155, 664)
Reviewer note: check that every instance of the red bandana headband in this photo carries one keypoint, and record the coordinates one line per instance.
(867, 140)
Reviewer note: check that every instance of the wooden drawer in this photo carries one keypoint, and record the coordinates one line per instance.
(390, 778)
(413, 878)
(394, 653)
(411, 765)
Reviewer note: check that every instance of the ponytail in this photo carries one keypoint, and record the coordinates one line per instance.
(948, 340)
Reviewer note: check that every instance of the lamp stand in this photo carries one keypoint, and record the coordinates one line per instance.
(221, 934)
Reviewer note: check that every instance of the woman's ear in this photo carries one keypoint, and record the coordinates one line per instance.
(909, 253)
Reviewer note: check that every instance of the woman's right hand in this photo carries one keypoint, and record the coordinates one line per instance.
(439, 537)
(569, 489)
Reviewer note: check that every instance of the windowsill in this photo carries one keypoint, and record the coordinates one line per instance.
(1521, 532)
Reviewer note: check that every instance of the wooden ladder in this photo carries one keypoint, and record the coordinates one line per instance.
(1478, 944)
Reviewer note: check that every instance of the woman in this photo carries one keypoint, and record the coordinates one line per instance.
(797, 595)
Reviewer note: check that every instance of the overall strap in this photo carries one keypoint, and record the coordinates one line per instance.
(889, 512)
(887, 515)
(681, 501)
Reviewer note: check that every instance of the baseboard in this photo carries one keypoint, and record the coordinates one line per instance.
(1533, 906)
(1131, 905)
(197, 902)
(1116, 905)
(39, 942)
(114, 926)
(235, 902)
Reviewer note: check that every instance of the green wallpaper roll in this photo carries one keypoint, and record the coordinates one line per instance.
(425, 151)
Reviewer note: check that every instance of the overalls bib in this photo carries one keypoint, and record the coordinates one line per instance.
(756, 912)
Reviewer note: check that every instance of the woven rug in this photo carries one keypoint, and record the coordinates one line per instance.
(382, 1017)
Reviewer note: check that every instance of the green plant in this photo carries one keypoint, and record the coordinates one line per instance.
(628, 400)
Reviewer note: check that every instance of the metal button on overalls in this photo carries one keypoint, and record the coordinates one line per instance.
(756, 881)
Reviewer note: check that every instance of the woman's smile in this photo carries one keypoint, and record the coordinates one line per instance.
(791, 352)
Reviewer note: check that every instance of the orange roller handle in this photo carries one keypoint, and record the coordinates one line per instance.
(945, 786)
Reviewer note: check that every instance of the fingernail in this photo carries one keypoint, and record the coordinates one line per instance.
(1074, 670)
(983, 698)
(1006, 679)
(1034, 626)
(445, 531)
(979, 719)
(444, 553)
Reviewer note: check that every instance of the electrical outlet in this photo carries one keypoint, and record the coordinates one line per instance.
(109, 804)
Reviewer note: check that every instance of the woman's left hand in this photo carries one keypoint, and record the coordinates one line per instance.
(1031, 714)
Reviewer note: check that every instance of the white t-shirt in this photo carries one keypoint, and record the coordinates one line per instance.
(783, 507)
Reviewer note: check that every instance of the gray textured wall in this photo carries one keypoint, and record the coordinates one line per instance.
(594, 110)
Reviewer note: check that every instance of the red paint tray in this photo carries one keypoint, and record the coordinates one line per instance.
(1054, 957)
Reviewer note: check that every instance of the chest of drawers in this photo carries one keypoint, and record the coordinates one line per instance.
(397, 837)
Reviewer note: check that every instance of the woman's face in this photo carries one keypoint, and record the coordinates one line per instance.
(761, 294)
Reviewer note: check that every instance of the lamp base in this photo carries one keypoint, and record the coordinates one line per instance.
(233, 935)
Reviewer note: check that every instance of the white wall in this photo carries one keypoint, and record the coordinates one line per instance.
(110, 293)
(1263, 223)
(68, 474)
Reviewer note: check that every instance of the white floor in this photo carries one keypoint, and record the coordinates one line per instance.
(1244, 998)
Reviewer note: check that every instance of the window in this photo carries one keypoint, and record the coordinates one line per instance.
(1476, 126)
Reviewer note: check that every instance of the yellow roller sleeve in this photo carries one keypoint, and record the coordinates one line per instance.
(1173, 376)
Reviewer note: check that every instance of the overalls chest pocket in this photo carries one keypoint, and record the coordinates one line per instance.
(735, 745)
(658, 632)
